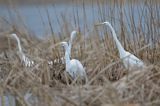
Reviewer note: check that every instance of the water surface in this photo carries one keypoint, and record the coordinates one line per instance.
(45, 19)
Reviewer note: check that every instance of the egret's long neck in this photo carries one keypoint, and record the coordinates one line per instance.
(18, 42)
(69, 47)
(19, 45)
(67, 58)
(119, 46)
(73, 34)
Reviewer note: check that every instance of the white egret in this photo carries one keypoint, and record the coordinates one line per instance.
(23, 58)
(62, 59)
(73, 67)
(129, 60)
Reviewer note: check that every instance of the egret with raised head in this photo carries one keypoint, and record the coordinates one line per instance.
(27, 62)
(130, 61)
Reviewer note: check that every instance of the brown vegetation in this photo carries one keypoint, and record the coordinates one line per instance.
(110, 84)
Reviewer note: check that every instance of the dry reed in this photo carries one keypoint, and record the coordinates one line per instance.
(109, 83)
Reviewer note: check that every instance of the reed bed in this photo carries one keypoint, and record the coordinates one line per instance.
(110, 84)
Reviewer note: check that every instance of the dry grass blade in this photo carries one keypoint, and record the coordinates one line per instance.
(109, 83)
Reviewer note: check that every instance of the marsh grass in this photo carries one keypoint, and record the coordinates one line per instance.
(109, 82)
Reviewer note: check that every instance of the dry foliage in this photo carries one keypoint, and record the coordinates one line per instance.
(110, 84)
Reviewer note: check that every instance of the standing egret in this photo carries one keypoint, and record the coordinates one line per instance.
(129, 60)
(62, 59)
(73, 67)
(23, 58)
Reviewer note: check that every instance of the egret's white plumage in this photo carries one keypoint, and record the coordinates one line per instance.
(129, 60)
(73, 67)
(27, 62)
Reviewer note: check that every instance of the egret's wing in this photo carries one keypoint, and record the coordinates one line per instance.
(132, 61)
(77, 67)
(136, 59)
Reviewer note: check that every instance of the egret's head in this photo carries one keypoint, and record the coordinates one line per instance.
(103, 23)
(64, 44)
(106, 22)
(13, 35)
(73, 35)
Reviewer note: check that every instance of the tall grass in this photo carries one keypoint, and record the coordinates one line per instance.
(109, 82)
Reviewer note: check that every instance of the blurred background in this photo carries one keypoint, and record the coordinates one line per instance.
(54, 17)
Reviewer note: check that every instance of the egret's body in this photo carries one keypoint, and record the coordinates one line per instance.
(22, 56)
(129, 60)
(73, 67)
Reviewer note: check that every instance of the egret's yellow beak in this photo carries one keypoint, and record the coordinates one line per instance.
(99, 24)
(58, 44)
(55, 45)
